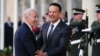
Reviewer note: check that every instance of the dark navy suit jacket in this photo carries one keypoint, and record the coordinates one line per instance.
(8, 34)
(25, 43)
(56, 45)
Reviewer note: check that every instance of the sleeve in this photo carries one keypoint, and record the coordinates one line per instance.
(64, 41)
(74, 23)
(97, 27)
(40, 38)
(40, 41)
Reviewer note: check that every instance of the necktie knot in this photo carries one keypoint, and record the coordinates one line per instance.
(52, 26)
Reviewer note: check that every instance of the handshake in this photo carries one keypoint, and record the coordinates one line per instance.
(40, 53)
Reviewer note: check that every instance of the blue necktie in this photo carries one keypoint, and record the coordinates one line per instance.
(51, 30)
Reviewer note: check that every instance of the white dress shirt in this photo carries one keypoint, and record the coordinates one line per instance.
(29, 26)
(55, 25)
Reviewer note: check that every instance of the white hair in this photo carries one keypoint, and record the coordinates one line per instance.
(28, 11)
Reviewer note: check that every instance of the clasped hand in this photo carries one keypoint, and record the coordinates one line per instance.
(40, 53)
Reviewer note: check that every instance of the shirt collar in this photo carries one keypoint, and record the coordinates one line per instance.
(28, 25)
(56, 23)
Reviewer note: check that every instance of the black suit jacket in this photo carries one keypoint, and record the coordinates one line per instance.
(25, 43)
(8, 34)
(56, 45)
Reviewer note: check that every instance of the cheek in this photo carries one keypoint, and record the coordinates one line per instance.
(33, 21)
(99, 15)
(76, 17)
(56, 15)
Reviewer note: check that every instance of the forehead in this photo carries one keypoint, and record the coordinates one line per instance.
(34, 13)
(53, 8)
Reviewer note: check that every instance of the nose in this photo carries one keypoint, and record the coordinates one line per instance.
(51, 13)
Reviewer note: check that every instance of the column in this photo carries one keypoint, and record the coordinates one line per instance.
(15, 19)
(74, 4)
(43, 10)
(97, 1)
(77, 3)
(2, 25)
(32, 2)
(65, 4)
(90, 6)
(55, 0)
(23, 8)
(15, 14)
(69, 9)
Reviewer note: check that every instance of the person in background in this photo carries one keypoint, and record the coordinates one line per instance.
(45, 19)
(64, 17)
(95, 33)
(19, 21)
(8, 33)
(24, 39)
(77, 24)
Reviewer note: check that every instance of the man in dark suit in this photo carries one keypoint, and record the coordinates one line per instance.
(55, 35)
(8, 26)
(25, 42)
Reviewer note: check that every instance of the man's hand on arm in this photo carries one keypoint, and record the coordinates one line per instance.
(40, 53)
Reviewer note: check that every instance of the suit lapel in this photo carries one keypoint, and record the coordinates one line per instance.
(56, 30)
(45, 32)
(29, 29)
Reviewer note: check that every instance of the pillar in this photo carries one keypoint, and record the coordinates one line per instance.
(15, 14)
(2, 25)
(55, 0)
(32, 4)
(23, 9)
(43, 10)
(69, 9)
(90, 6)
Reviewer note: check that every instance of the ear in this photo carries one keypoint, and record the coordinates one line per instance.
(60, 14)
(27, 17)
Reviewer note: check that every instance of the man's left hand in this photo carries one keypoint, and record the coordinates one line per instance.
(40, 53)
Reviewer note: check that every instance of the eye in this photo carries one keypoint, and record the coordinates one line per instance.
(49, 11)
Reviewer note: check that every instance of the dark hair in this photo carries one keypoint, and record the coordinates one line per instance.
(56, 4)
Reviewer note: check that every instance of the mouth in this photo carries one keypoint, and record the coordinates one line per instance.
(52, 16)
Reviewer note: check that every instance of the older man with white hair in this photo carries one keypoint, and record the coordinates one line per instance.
(24, 42)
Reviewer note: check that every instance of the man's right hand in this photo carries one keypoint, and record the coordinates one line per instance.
(40, 53)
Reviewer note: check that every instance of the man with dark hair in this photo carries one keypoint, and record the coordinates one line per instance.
(55, 35)
(56, 4)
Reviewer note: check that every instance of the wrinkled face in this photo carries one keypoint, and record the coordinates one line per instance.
(78, 17)
(54, 13)
(32, 19)
(98, 16)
